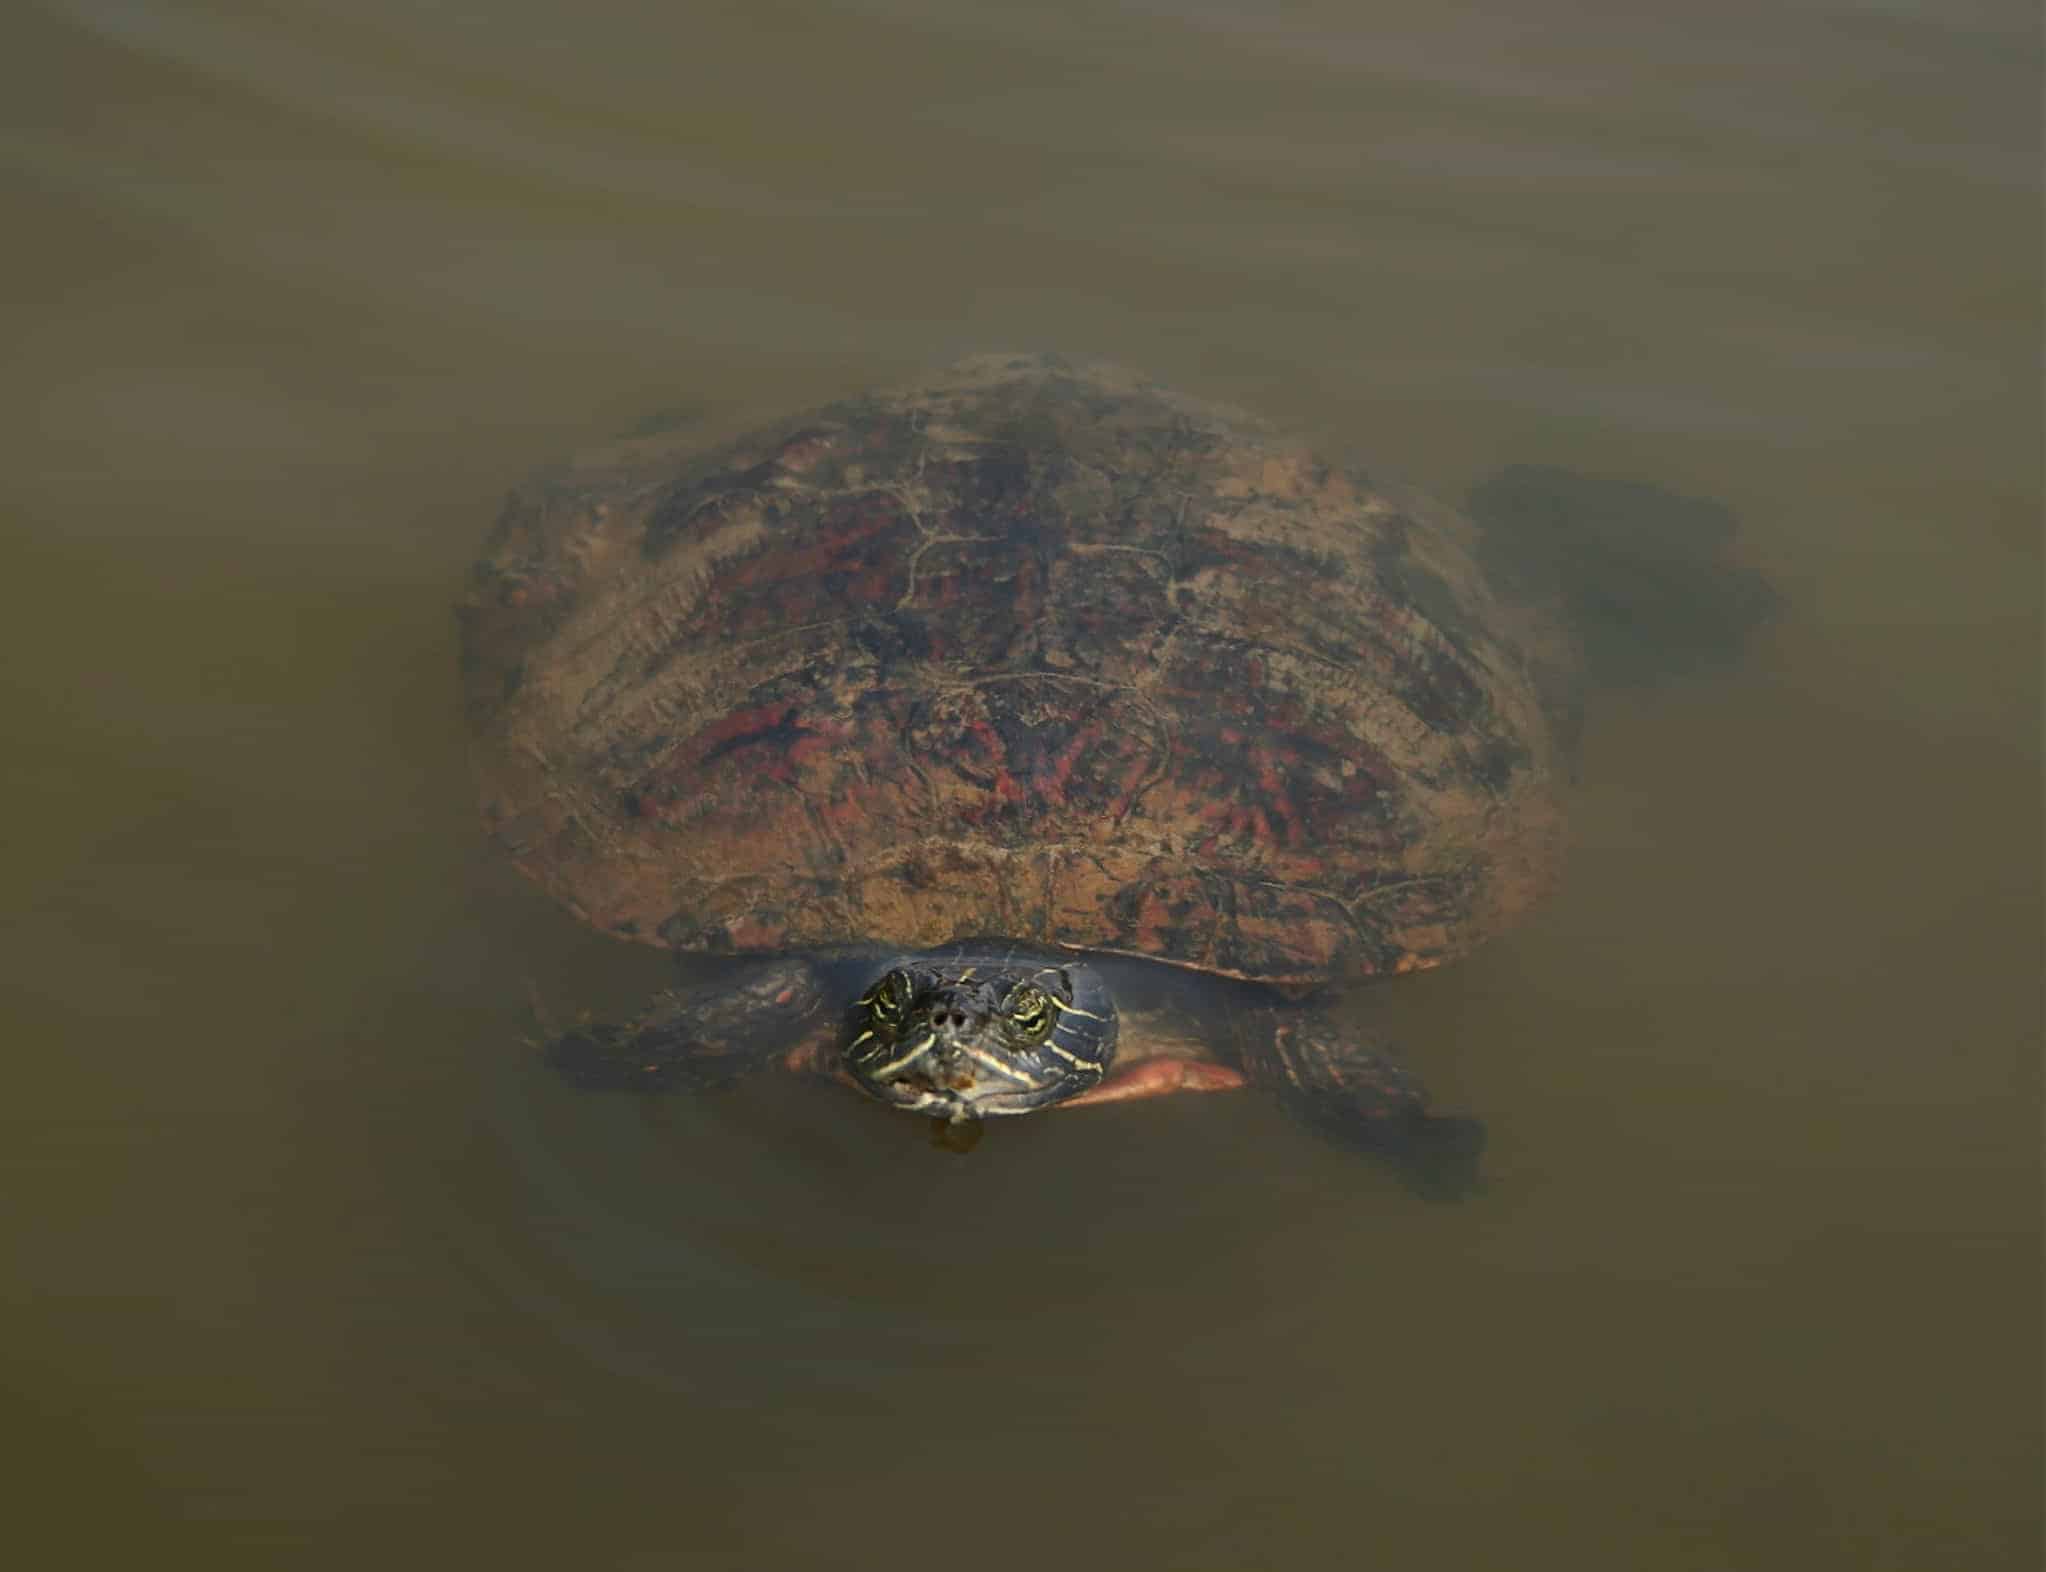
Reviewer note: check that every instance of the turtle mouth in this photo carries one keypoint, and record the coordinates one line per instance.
(960, 1075)
(976, 1042)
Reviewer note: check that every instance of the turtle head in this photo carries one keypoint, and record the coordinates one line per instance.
(964, 1035)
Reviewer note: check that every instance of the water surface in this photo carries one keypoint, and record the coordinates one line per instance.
(308, 1261)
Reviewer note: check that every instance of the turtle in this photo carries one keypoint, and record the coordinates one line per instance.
(1028, 735)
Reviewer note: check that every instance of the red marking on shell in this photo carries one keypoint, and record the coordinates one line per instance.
(812, 743)
(1053, 781)
(846, 533)
(911, 768)
(740, 727)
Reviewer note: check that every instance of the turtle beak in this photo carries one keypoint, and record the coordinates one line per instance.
(950, 1059)
(951, 1055)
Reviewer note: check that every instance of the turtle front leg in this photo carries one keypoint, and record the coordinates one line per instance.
(1355, 1093)
(774, 1013)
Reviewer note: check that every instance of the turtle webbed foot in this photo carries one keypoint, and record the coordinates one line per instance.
(602, 1057)
(1438, 1158)
(1359, 1097)
(703, 1037)
(1435, 1156)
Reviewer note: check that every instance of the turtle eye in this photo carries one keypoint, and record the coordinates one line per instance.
(889, 1002)
(1031, 1013)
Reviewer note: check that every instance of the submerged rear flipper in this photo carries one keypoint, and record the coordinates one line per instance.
(1651, 580)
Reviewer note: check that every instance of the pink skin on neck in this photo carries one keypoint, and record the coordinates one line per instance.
(1160, 1077)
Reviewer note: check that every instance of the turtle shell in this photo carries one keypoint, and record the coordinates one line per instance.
(1027, 648)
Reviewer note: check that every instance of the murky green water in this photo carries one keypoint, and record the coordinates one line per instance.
(308, 1263)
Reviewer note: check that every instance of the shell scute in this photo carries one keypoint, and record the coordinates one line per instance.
(1027, 649)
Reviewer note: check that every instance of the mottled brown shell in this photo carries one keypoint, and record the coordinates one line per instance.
(1027, 648)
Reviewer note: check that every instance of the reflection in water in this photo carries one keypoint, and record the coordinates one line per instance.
(310, 1258)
